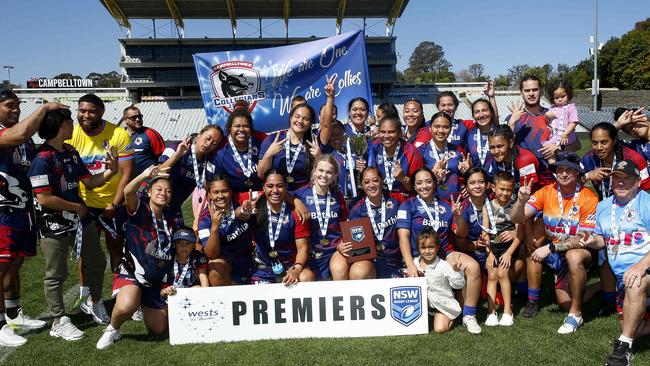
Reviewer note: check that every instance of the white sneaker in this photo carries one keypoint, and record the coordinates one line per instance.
(469, 321)
(571, 324)
(506, 320)
(109, 337)
(9, 338)
(22, 321)
(66, 330)
(492, 320)
(97, 310)
(138, 316)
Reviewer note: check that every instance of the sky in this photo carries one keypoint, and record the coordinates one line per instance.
(42, 38)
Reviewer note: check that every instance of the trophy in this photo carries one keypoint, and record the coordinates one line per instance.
(359, 146)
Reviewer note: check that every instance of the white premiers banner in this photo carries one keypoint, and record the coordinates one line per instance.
(309, 309)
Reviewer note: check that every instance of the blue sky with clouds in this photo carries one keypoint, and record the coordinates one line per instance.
(44, 37)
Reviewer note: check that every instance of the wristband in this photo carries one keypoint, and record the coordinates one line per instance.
(298, 264)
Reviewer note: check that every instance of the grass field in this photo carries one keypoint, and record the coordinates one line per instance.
(528, 342)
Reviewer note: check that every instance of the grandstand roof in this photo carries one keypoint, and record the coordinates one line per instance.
(253, 9)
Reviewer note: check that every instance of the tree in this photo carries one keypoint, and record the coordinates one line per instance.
(476, 71)
(631, 65)
(643, 25)
(516, 73)
(605, 60)
(464, 76)
(502, 81)
(428, 57)
(67, 75)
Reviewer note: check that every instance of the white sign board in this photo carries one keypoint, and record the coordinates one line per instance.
(307, 310)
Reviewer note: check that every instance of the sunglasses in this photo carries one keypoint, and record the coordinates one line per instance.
(136, 117)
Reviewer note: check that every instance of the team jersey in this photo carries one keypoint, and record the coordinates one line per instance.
(92, 150)
(590, 162)
(530, 133)
(633, 227)
(458, 134)
(641, 146)
(388, 246)
(350, 130)
(189, 271)
(561, 222)
(148, 145)
(148, 254)
(451, 185)
(408, 156)
(471, 146)
(525, 167)
(420, 137)
(15, 187)
(59, 173)
(300, 171)
(412, 215)
(290, 230)
(235, 236)
(225, 163)
(338, 213)
(182, 175)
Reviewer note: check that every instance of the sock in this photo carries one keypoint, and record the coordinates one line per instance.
(609, 297)
(83, 291)
(522, 287)
(533, 294)
(12, 306)
(469, 310)
(625, 339)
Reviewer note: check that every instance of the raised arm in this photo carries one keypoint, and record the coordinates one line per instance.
(26, 128)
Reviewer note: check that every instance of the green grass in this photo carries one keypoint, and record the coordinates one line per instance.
(527, 342)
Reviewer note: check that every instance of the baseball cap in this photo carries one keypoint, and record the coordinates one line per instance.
(184, 234)
(627, 167)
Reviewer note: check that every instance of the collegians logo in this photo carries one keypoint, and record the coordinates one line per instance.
(234, 80)
(405, 304)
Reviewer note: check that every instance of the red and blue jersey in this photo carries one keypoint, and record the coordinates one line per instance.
(148, 145)
(452, 184)
(411, 215)
(300, 172)
(149, 254)
(531, 131)
(408, 156)
(59, 173)
(590, 162)
(471, 146)
(285, 245)
(15, 187)
(459, 129)
(196, 263)
(338, 213)
(641, 146)
(388, 248)
(181, 175)
(525, 167)
(632, 239)
(226, 164)
(235, 236)
(473, 219)
(420, 137)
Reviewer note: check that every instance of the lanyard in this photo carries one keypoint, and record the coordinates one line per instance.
(323, 221)
(435, 151)
(161, 251)
(198, 178)
(605, 190)
(572, 212)
(378, 229)
(247, 170)
(615, 220)
(351, 165)
(291, 162)
(388, 166)
(492, 230)
(480, 149)
(435, 223)
(178, 281)
(275, 234)
(230, 217)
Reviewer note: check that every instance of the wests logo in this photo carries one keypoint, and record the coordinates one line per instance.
(235, 80)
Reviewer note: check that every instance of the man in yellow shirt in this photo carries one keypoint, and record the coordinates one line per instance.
(92, 137)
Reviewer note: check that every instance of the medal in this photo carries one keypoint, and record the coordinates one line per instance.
(274, 234)
(324, 242)
(290, 179)
(444, 187)
(616, 229)
(248, 182)
(388, 166)
(273, 254)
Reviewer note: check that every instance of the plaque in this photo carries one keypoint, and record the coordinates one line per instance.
(359, 233)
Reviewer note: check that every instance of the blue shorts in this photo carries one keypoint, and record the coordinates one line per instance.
(481, 257)
(18, 235)
(387, 270)
(321, 266)
(557, 262)
(241, 268)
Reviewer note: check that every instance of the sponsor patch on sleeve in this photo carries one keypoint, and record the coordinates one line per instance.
(401, 214)
(528, 169)
(39, 180)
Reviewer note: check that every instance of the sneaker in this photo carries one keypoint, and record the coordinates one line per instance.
(9, 338)
(621, 355)
(66, 330)
(138, 316)
(531, 309)
(492, 320)
(97, 310)
(22, 321)
(469, 321)
(570, 325)
(109, 337)
(506, 320)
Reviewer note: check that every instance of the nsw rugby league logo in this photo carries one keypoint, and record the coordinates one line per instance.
(235, 80)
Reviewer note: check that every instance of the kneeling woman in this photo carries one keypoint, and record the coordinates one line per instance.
(424, 210)
(282, 242)
(328, 209)
(147, 256)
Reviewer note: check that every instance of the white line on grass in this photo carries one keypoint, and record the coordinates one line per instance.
(68, 298)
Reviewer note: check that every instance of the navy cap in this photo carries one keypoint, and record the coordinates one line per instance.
(184, 234)
(627, 167)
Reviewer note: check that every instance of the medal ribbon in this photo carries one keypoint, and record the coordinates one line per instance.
(274, 234)
(388, 166)
(435, 223)
(572, 212)
(247, 170)
(178, 280)
(198, 178)
(291, 162)
(161, 251)
(378, 229)
(324, 222)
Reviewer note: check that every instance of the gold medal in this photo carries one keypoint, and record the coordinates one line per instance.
(273, 254)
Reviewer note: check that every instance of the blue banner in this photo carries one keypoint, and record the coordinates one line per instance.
(269, 78)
